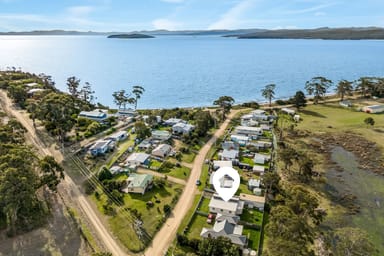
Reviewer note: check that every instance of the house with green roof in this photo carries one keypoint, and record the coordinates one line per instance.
(138, 183)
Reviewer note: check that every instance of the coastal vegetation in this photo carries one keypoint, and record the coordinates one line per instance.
(26, 181)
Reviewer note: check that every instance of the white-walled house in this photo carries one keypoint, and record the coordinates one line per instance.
(183, 128)
(226, 226)
(137, 159)
(249, 131)
(98, 116)
(162, 150)
(233, 207)
(101, 147)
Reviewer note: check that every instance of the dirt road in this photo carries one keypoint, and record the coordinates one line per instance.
(167, 233)
(68, 183)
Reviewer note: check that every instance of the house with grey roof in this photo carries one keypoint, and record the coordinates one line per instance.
(258, 169)
(229, 155)
(101, 147)
(137, 159)
(98, 116)
(219, 164)
(138, 183)
(161, 135)
(261, 158)
(145, 144)
(253, 183)
(228, 144)
(232, 207)
(242, 140)
(173, 121)
(249, 131)
(183, 128)
(162, 150)
(226, 226)
(118, 136)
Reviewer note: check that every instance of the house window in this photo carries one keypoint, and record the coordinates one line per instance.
(230, 211)
(221, 210)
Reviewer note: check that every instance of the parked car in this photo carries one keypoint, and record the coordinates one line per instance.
(211, 218)
(198, 182)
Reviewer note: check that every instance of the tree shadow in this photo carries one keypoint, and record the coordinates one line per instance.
(312, 113)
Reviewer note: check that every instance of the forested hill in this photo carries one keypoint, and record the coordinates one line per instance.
(320, 33)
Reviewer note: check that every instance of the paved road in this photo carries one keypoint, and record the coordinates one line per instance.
(167, 233)
(170, 178)
(103, 234)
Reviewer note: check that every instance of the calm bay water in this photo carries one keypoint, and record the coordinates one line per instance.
(182, 71)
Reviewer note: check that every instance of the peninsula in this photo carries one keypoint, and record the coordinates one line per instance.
(130, 36)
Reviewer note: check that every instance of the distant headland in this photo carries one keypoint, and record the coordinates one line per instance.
(347, 33)
(130, 36)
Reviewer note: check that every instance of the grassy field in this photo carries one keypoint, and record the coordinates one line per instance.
(121, 224)
(331, 118)
(188, 216)
(204, 205)
(253, 237)
(198, 223)
(181, 172)
(253, 216)
(188, 158)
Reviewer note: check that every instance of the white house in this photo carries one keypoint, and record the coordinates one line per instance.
(248, 120)
(230, 145)
(116, 169)
(233, 207)
(249, 131)
(101, 147)
(126, 112)
(138, 183)
(373, 109)
(173, 121)
(242, 140)
(229, 155)
(219, 164)
(145, 144)
(258, 169)
(137, 159)
(94, 115)
(226, 226)
(118, 136)
(253, 183)
(31, 84)
(182, 128)
(261, 158)
(252, 201)
(288, 111)
(161, 135)
(162, 150)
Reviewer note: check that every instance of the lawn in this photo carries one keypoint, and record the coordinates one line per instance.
(253, 237)
(322, 117)
(204, 205)
(188, 216)
(204, 177)
(243, 188)
(181, 172)
(122, 148)
(121, 224)
(155, 164)
(198, 223)
(247, 160)
(188, 158)
(252, 216)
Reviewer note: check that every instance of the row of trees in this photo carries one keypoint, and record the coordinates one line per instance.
(23, 176)
(121, 98)
(318, 87)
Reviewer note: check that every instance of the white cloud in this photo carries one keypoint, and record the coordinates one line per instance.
(166, 24)
(231, 19)
(310, 9)
(173, 1)
(79, 11)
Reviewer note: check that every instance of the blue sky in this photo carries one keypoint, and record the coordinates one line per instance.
(129, 15)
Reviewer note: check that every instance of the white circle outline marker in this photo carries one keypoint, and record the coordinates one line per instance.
(226, 193)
